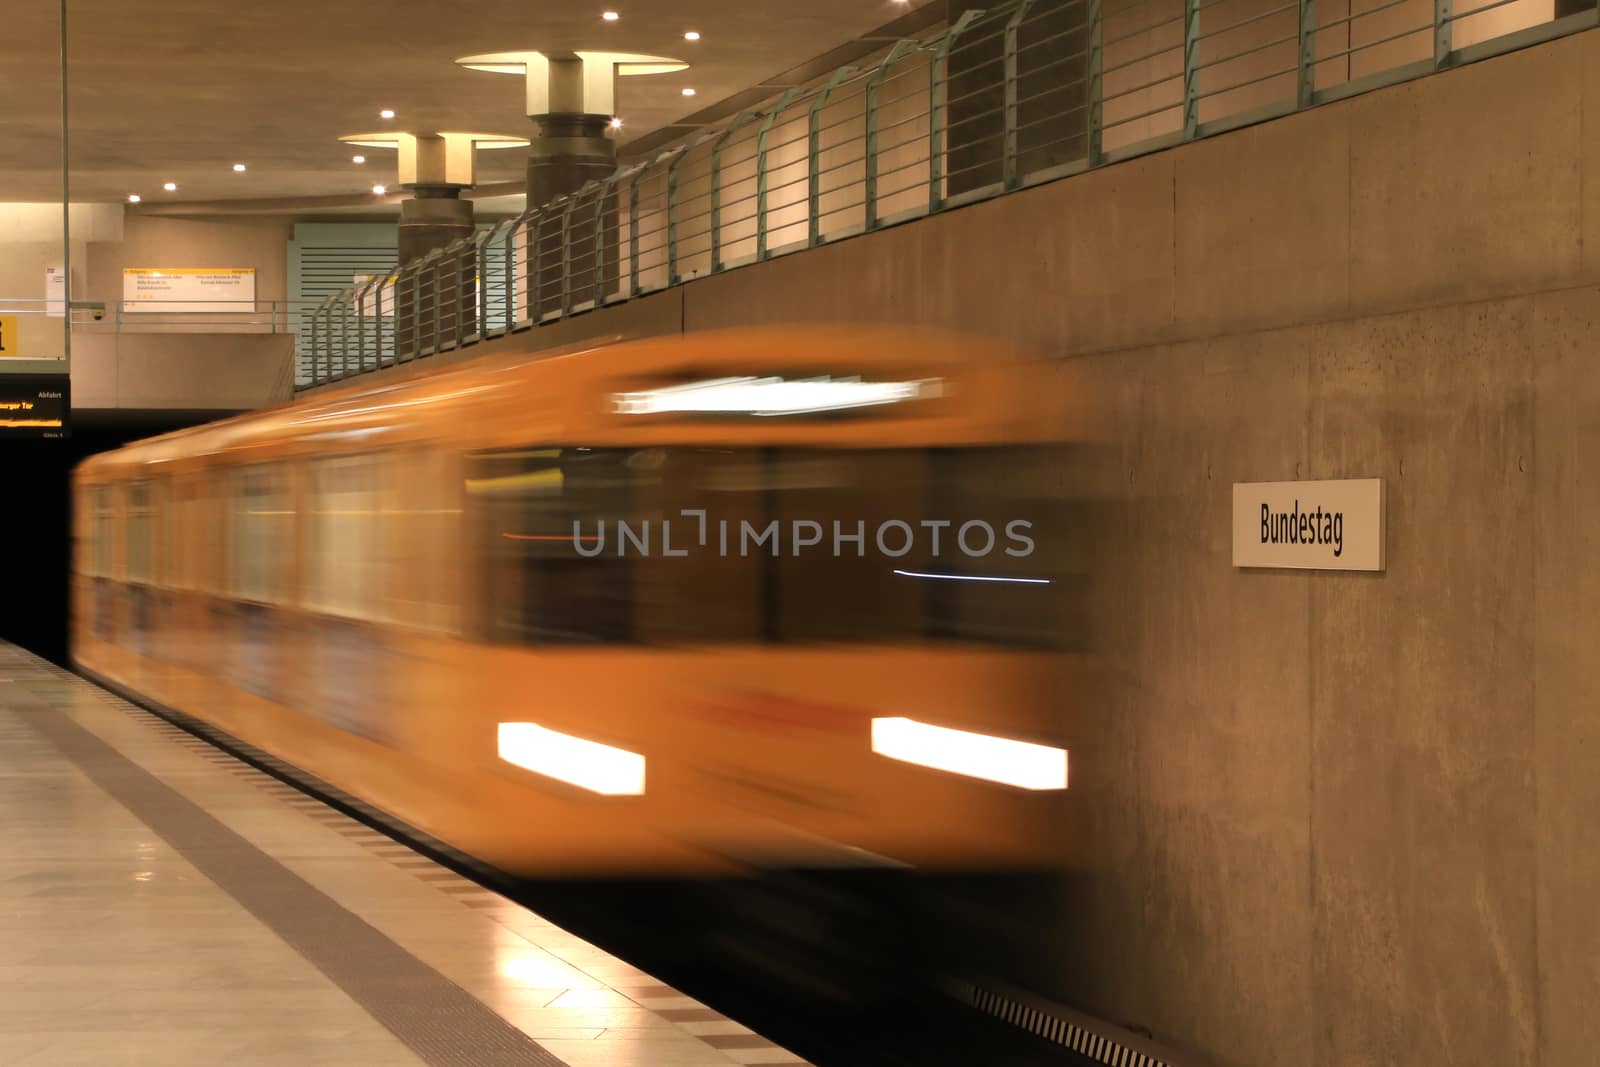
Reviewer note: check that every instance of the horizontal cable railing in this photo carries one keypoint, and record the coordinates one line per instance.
(172, 316)
(1003, 99)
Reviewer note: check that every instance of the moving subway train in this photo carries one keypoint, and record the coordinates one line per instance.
(674, 607)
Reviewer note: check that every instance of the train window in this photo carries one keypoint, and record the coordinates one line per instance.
(262, 534)
(782, 545)
(188, 547)
(139, 533)
(100, 531)
(345, 511)
(425, 539)
(537, 588)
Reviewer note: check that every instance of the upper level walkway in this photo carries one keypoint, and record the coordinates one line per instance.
(1021, 94)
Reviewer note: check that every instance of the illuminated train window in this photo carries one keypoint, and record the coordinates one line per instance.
(345, 533)
(262, 534)
(139, 534)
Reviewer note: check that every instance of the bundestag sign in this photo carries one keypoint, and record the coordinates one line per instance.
(1325, 526)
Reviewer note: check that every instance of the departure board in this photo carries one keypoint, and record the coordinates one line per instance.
(35, 405)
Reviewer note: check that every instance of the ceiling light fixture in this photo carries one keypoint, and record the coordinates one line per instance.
(692, 35)
(386, 114)
(616, 123)
(238, 168)
(380, 190)
(688, 92)
(133, 198)
(358, 159)
(610, 16)
(171, 187)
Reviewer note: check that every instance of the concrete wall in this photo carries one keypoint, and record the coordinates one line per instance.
(30, 241)
(1321, 819)
(1324, 819)
(162, 242)
(181, 372)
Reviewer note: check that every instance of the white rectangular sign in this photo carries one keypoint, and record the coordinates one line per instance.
(189, 289)
(1325, 526)
(55, 292)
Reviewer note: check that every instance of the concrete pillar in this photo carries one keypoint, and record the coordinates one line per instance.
(446, 307)
(571, 99)
(572, 147)
(566, 152)
(1052, 92)
(433, 218)
(443, 309)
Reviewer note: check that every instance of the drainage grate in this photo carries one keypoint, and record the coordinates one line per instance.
(1062, 1026)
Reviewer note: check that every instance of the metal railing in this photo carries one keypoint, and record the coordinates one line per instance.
(172, 316)
(1007, 98)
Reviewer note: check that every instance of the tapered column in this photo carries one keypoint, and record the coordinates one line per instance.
(436, 308)
(571, 248)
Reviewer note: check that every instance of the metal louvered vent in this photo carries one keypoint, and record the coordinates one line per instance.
(324, 260)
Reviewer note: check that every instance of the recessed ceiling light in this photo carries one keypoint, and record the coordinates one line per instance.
(133, 198)
(616, 123)
(171, 187)
(380, 190)
(358, 159)
(239, 167)
(386, 114)
(692, 35)
(688, 92)
(610, 16)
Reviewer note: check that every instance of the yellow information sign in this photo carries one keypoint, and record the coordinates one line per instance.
(10, 340)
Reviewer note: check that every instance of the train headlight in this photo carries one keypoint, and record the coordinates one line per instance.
(586, 764)
(771, 396)
(994, 759)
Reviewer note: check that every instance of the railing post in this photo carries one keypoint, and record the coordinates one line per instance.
(321, 353)
(438, 300)
(716, 186)
(480, 279)
(1442, 25)
(1306, 92)
(384, 282)
(511, 272)
(565, 303)
(633, 230)
(413, 344)
(1191, 69)
(329, 309)
(462, 300)
(600, 203)
(874, 84)
(761, 168)
(1096, 97)
(814, 156)
(344, 337)
(361, 326)
(1008, 167)
(375, 291)
(938, 91)
(672, 217)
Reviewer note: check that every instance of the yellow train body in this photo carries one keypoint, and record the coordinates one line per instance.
(353, 584)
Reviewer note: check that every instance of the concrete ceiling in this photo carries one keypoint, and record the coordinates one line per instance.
(180, 90)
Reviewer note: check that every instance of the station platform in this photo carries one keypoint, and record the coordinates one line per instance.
(162, 901)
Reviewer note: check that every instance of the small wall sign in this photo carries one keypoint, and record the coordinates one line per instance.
(1324, 526)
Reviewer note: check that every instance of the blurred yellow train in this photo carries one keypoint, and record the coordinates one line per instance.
(684, 606)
